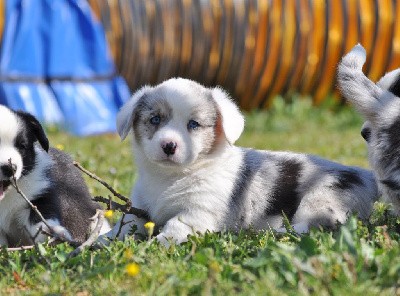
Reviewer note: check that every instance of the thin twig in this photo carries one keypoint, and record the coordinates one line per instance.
(110, 201)
(93, 235)
(123, 208)
(126, 209)
(50, 231)
(104, 183)
(38, 232)
(35, 209)
(121, 224)
(22, 248)
(54, 239)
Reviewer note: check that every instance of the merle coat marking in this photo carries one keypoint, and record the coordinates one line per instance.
(380, 105)
(207, 183)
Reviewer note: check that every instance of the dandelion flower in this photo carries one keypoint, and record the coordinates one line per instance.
(60, 147)
(149, 226)
(132, 269)
(108, 214)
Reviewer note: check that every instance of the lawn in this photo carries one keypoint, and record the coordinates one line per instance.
(360, 258)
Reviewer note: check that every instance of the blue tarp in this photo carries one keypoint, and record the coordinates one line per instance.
(55, 64)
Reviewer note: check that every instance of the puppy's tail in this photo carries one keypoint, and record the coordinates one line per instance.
(355, 86)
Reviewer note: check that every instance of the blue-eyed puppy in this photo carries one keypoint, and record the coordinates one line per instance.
(191, 176)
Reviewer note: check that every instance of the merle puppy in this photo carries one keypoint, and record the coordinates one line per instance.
(48, 178)
(191, 176)
(380, 105)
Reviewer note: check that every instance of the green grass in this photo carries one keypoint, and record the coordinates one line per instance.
(360, 258)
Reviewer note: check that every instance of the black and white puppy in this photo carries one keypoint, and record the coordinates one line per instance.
(192, 178)
(48, 178)
(380, 105)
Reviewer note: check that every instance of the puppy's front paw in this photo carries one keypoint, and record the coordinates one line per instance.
(40, 230)
(61, 232)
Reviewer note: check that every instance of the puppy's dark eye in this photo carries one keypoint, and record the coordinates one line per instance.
(192, 125)
(155, 120)
(366, 133)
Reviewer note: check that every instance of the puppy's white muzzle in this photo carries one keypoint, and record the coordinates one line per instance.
(168, 147)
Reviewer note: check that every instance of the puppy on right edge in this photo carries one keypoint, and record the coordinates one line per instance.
(380, 105)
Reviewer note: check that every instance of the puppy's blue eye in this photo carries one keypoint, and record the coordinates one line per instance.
(192, 125)
(155, 120)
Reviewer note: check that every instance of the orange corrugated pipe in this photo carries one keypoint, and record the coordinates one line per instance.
(256, 49)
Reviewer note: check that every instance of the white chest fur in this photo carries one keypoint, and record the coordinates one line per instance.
(207, 187)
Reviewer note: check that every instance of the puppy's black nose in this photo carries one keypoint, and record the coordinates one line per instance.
(169, 148)
(7, 170)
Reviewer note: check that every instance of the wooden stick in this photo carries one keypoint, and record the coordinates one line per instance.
(104, 183)
(35, 209)
(22, 248)
(93, 235)
(50, 232)
(121, 224)
(123, 208)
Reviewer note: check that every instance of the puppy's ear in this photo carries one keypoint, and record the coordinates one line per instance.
(232, 118)
(125, 116)
(391, 82)
(356, 87)
(34, 125)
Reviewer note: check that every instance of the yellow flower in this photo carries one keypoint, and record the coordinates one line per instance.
(150, 228)
(132, 269)
(149, 225)
(60, 147)
(108, 214)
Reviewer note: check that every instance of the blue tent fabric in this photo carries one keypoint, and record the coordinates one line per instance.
(55, 63)
(37, 98)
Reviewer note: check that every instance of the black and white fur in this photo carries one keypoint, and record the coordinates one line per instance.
(192, 178)
(47, 177)
(380, 105)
